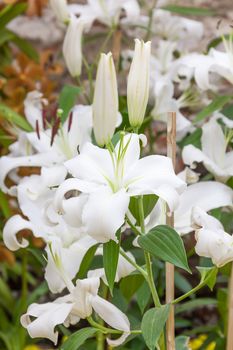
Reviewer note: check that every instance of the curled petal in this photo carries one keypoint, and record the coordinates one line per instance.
(113, 317)
(15, 224)
(48, 316)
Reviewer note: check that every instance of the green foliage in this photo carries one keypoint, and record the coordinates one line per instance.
(149, 201)
(208, 276)
(67, 99)
(78, 338)
(165, 243)
(193, 139)
(10, 12)
(215, 105)
(153, 323)
(14, 118)
(189, 11)
(86, 262)
(110, 261)
(130, 284)
(182, 342)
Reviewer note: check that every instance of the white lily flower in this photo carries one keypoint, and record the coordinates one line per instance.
(60, 9)
(47, 146)
(76, 305)
(114, 177)
(72, 46)
(214, 153)
(212, 241)
(105, 11)
(138, 83)
(35, 196)
(105, 103)
(207, 195)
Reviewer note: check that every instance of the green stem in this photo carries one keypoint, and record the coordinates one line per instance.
(150, 278)
(106, 330)
(148, 34)
(186, 295)
(24, 277)
(134, 264)
(133, 227)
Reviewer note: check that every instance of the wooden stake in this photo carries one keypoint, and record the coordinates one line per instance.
(170, 288)
(230, 313)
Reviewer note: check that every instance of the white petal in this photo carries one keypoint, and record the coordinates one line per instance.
(104, 214)
(113, 317)
(15, 224)
(93, 164)
(207, 195)
(48, 316)
(192, 155)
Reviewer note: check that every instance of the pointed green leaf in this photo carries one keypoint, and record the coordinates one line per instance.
(85, 264)
(153, 323)
(208, 275)
(10, 12)
(189, 11)
(215, 105)
(78, 338)
(110, 260)
(67, 99)
(143, 296)
(14, 118)
(149, 201)
(182, 343)
(165, 243)
(130, 284)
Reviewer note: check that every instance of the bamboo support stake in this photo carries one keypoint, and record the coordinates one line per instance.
(230, 313)
(170, 288)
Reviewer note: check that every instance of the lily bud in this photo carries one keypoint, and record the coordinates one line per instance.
(60, 10)
(138, 83)
(105, 103)
(72, 46)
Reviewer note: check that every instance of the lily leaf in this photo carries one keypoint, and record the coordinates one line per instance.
(217, 104)
(14, 118)
(164, 243)
(208, 275)
(78, 338)
(149, 201)
(110, 260)
(189, 11)
(67, 99)
(153, 323)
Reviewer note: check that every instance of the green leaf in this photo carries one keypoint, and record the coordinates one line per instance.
(86, 262)
(222, 298)
(182, 343)
(164, 243)
(110, 260)
(208, 275)
(215, 105)
(182, 283)
(67, 99)
(5, 36)
(228, 111)
(143, 296)
(193, 139)
(189, 11)
(78, 338)
(14, 117)
(149, 201)
(130, 284)
(153, 323)
(4, 204)
(193, 304)
(10, 12)
(26, 48)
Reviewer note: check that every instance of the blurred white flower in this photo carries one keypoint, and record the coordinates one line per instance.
(48, 145)
(105, 11)
(72, 46)
(105, 103)
(214, 153)
(212, 241)
(60, 9)
(138, 83)
(40, 320)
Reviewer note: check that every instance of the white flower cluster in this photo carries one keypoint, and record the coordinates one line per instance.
(80, 198)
